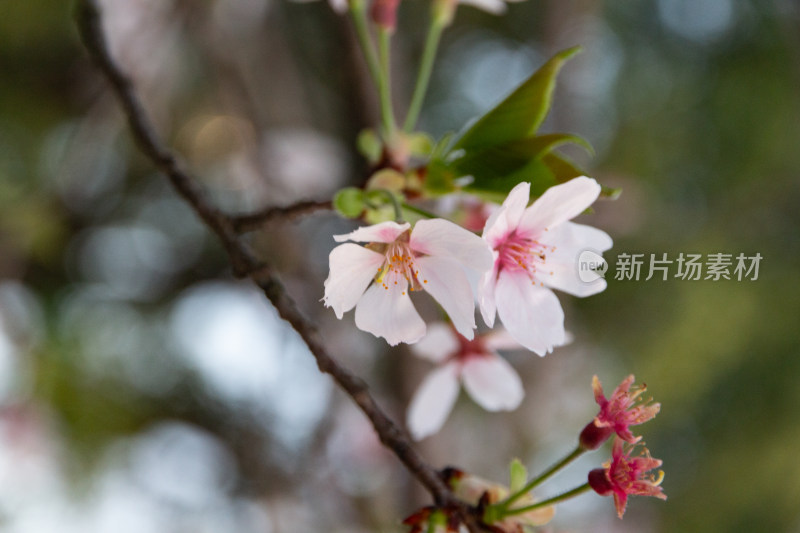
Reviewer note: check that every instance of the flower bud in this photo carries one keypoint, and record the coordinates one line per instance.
(599, 482)
(384, 13)
(444, 11)
(593, 436)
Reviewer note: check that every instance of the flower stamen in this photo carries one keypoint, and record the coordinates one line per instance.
(524, 254)
(399, 261)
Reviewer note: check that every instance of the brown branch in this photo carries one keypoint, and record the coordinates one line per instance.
(246, 264)
(253, 221)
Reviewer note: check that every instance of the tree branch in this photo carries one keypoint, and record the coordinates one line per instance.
(246, 264)
(253, 221)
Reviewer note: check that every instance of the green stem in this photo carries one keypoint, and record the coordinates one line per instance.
(384, 83)
(359, 13)
(396, 204)
(419, 211)
(550, 501)
(424, 75)
(545, 475)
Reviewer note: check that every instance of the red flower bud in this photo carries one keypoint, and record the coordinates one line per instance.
(384, 13)
(593, 436)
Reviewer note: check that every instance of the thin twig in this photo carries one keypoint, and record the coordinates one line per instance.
(245, 264)
(254, 221)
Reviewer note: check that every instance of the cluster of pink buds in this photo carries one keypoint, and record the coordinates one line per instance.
(625, 474)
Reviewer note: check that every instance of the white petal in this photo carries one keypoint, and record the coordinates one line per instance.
(559, 204)
(433, 401)
(437, 344)
(500, 339)
(569, 240)
(492, 383)
(384, 232)
(389, 313)
(508, 216)
(352, 267)
(442, 238)
(496, 7)
(516, 202)
(486, 296)
(577, 237)
(444, 279)
(531, 314)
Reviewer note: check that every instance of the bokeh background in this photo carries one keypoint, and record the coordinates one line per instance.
(143, 389)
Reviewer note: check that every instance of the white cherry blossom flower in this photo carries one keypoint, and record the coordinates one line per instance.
(377, 279)
(535, 249)
(487, 377)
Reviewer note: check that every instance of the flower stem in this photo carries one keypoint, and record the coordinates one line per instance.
(424, 75)
(358, 11)
(396, 204)
(542, 477)
(384, 83)
(419, 211)
(550, 501)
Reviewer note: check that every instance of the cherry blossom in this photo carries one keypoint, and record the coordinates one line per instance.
(487, 377)
(617, 414)
(535, 249)
(378, 279)
(627, 475)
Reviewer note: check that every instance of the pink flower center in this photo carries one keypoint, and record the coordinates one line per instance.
(470, 349)
(520, 253)
(398, 264)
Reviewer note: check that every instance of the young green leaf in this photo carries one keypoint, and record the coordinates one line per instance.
(419, 144)
(499, 161)
(496, 188)
(521, 113)
(519, 475)
(349, 202)
(439, 178)
(369, 145)
(388, 179)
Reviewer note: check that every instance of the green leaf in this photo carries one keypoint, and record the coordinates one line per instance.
(612, 193)
(496, 188)
(349, 202)
(563, 169)
(521, 113)
(499, 161)
(519, 475)
(439, 178)
(388, 179)
(369, 145)
(419, 144)
(442, 146)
